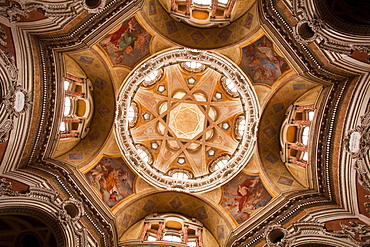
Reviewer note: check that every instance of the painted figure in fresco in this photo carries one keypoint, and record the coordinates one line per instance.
(245, 191)
(244, 195)
(112, 178)
(130, 37)
(262, 63)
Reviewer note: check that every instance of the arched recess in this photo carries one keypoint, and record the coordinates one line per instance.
(41, 207)
(214, 219)
(26, 226)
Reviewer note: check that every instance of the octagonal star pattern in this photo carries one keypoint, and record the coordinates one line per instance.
(186, 120)
(194, 105)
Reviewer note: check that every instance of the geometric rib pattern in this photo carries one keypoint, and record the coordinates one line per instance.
(187, 122)
(222, 108)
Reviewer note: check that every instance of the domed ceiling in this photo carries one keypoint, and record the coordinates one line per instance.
(191, 117)
(116, 112)
(186, 121)
(178, 119)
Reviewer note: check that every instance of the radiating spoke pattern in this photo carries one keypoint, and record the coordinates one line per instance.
(186, 120)
(189, 120)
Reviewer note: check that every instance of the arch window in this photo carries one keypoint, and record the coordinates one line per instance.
(132, 114)
(77, 107)
(240, 127)
(67, 106)
(219, 163)
(180, 175)
(152, 78)
(66, 85)
(203, 13)
(151, 238)
(171, 227)
(305, 135)
(203, 2)
(230, 87)
(193, 66)
(192, 244)
(144, 154)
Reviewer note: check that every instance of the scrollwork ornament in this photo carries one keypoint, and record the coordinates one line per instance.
(358, 145)
(22, 7)
(7, 60)
(17, 101)
(357, 231)
(6, 188)
(3, 36)
(70, 210)
(13, 12)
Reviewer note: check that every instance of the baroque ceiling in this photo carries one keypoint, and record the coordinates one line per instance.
(255, 127)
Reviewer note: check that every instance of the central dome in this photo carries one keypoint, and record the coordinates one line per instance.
(187, 120)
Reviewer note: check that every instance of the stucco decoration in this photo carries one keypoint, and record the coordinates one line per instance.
(358, 140)
(15, 100)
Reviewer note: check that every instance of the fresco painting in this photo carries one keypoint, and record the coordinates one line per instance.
(243, 195)
(113, 179)
(128, 44)
(262, 63)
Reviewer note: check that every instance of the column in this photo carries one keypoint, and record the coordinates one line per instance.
(185, 233)
(200, 239)
(188, 2)
(146, 228)
(160, 231)
(214, 8)
(229, 9)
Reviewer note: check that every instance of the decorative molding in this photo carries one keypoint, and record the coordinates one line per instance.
(15, 100)
(305, 61)
(93, 8)
(67, 213)
(316, 26)
(55, 9)
(357, 144)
